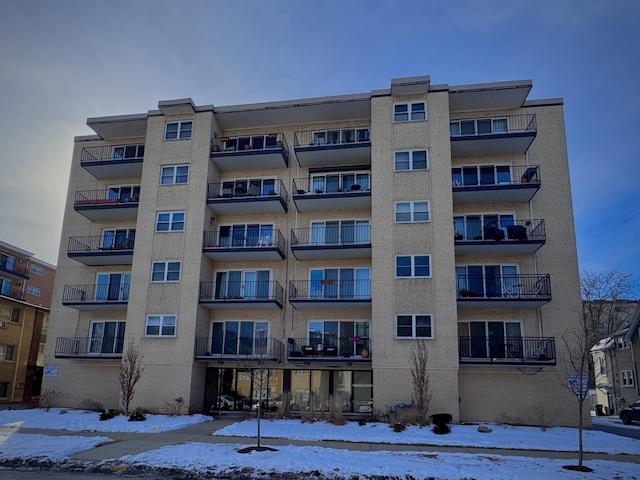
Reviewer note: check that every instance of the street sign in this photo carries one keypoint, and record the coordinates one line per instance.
(578, 383)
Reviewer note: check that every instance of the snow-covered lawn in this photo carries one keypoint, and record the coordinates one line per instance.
(300, 461)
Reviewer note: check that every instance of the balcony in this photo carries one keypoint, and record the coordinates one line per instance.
(112, 204)
(113, 161)
(8, 265)
(503, 291)
(338, 146)
(495, 183)
(336, 350)
(242, 350)
(519, 351)
(89, 347)
(329, 293)
(96, 296)
(250, 152)
(502, 135)
(261, 244)
(102, 249)
(516, 237)
(245, 295)
(328, 241)
(242, 197)
(310, 195)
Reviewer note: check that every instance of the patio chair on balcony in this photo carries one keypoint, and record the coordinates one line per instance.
(516, 232)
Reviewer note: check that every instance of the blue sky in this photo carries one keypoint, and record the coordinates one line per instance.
(63, 61)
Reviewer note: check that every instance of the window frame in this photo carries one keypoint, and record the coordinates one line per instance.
(412, 211)
(5, 349)
(180, 131)
(166, 272)
(35, 291)
(171, 221)
(174, 176)
(413, 266)
(5, 389)
(414, 326)
(161, 325)
(37, 269)
(410, 113)
(626, 378)
(410, 161)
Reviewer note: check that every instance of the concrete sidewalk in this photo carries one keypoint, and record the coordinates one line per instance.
(126, 443)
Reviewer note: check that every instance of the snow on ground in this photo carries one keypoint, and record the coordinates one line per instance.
(86, 421)
(503, 436)
(224, 458)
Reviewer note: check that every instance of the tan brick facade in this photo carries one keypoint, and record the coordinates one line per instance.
(341, 306)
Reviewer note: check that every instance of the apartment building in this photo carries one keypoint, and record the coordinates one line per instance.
(26, 286)
(320, 239)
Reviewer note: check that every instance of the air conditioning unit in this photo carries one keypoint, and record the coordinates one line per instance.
(4, 324)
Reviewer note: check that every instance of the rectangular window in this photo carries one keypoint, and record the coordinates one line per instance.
(4, 389)
(338, 338)
(626, 378)
(240, 338)
(246, 235)
(6, 352)
(174, 174)
(36, 269)
(165, 272)
(413, 326)
(407, 112)
(122, 152)
(410, 160)
(161, 326)
(340, 283)
(243, 284)
(602, 363)
(106, 337)
(417, 266)
(170, 222)
(33, 291)
(408, 212)
(177, 130)
(10, 314)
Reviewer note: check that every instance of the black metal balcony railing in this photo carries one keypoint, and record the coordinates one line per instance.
(336, 136)
(109, 196)
(14, 293)
(13, 267)
(225, 239)
(239, 348)
(330, 348)
(96, 293)
(331, 235)
(494, 175)
(257, 142)
(329, 289)
(506, 349)
(100, 347)
(251, 191)
(498, 125)
(110, 153)
(503, 286)
(516, 230)
(247, 291)
(345, 185)
(100, 243)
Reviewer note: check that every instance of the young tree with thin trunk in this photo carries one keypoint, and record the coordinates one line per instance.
(421, 394)
(578, 375)
(130, 373)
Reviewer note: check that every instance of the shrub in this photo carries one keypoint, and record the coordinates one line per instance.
(33, 402)
(441, 422)
(92, 405)
(398, 426)
(137, 416)
(362, 422)
(49, 398)
(107, 415)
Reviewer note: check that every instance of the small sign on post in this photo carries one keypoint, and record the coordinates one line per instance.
(578, 384)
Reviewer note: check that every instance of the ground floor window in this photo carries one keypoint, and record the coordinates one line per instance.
(4, 389)
(308, 390)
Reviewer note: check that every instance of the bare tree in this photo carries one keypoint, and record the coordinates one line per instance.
(604, 293)
(130, 372)
(259, 373)
(421, 394)
(578, 375)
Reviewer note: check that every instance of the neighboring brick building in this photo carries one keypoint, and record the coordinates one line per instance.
(26, 285)
(324, 236)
